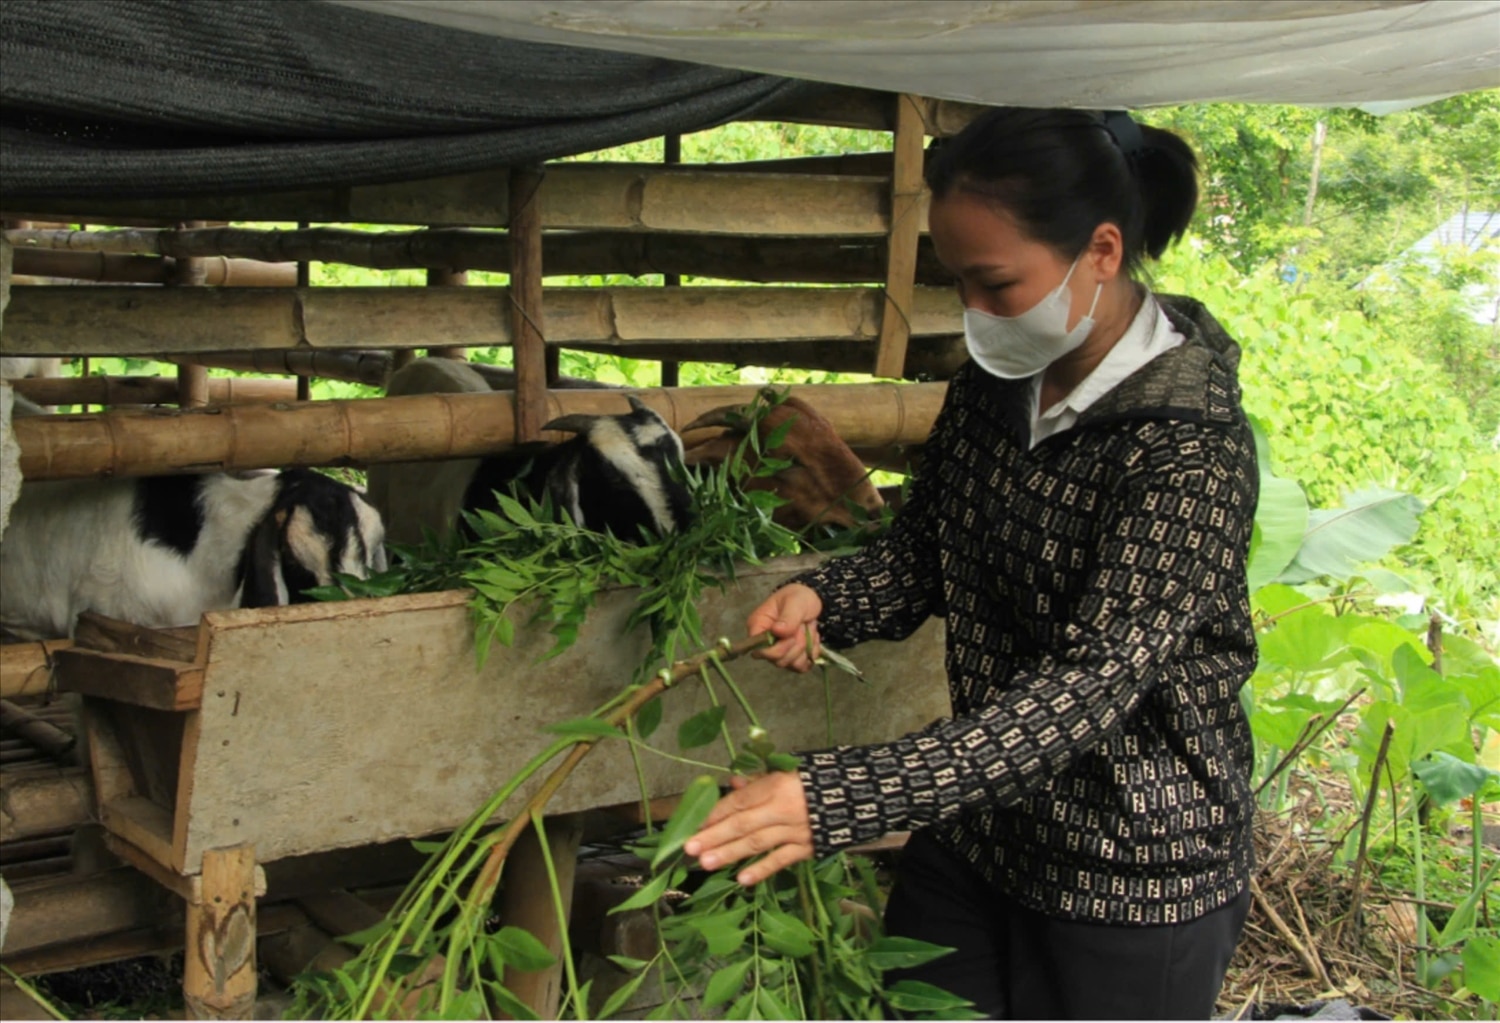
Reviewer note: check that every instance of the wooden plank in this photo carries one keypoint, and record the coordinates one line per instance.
(355, 366)
(98, 632)
(575, 196)
(219, 945)
(142, 681)
(111, 320)
(409, 428)
(907, 197)
(26, 668)
(297, 784)
(143, 824)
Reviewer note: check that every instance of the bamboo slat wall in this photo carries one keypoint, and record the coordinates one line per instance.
(850, 219)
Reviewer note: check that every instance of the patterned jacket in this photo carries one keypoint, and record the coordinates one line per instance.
(1098, 632)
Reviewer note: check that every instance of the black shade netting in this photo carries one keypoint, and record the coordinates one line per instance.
(154, 98)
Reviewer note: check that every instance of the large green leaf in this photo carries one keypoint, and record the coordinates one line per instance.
(1447, 778)
(1338, 540)
(1280, 519)
(1482, 966)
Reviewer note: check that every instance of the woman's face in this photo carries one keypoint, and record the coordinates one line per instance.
(1000, 270)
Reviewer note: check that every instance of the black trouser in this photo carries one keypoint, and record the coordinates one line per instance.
(1015, 963)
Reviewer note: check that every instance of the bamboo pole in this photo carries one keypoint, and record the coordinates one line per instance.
(144, 390)
(131, 321)
(906, 226)
(352, 366)
(112, 268)
(192, 380)
(429, 426)
(304, 280)
(927, 358)
(839, 259)
(575, 196)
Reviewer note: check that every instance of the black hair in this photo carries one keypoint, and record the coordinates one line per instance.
(1062, 173)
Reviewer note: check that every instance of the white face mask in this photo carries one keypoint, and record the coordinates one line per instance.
(1015, 347)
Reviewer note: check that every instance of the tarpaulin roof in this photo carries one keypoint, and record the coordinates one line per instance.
(1081, 53)
(142, 97)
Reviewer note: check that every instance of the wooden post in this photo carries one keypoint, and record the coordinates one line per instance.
(525, 294)
(671, 368)
(218, 980)
(526, 901)
(304, 280)
(192, 381)
(901, 241)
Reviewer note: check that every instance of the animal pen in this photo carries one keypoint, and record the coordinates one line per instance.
(236, 780)
(260, 765)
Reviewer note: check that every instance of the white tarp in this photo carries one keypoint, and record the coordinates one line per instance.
(1380, 54)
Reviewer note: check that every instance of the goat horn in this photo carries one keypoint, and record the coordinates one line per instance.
(733, 416)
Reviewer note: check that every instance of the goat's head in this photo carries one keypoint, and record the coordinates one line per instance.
(624, 472)
(825, 477)
(315, 527)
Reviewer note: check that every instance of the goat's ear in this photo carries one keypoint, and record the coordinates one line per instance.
(578, 422)
(263, 583)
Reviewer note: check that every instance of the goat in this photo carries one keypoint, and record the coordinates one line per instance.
(159, 551)
(619, 474)
(823, 478)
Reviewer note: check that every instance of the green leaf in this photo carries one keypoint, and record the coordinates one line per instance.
(513, 510)
(919, 996)
(506, 1001)
(786, 934)
(648, 718)
(427, 848)
(359, 939)
(1280, 525)
(647, 895)
(585, 730)
(1482, 966)
(467, 1004)
(518, 947)
(721, 930)
(772, 1007)
(726, 983)
(783, 762)
(1447, 778)
(1371, 522)
(627, 964)
(700, 729)
(840, 662)
(745, 762)
(692, 809)
(894, 953)
(623, 994)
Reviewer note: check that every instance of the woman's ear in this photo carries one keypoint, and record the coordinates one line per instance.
(1106, 252)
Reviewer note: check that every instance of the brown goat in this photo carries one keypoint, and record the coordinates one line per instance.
(824, 472)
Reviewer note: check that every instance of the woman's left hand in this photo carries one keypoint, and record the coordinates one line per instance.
(762, 815)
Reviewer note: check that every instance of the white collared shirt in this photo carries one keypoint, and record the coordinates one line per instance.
(1148, 335)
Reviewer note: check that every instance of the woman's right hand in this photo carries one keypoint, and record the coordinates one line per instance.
(791, 615)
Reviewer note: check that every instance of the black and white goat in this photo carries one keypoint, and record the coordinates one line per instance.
(619, 473)
(159, 551)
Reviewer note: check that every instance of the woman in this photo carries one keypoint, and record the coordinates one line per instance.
(1081, 520)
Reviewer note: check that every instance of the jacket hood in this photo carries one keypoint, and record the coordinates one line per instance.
(1196, 381)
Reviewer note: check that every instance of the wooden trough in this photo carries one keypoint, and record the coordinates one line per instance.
(276, 733)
